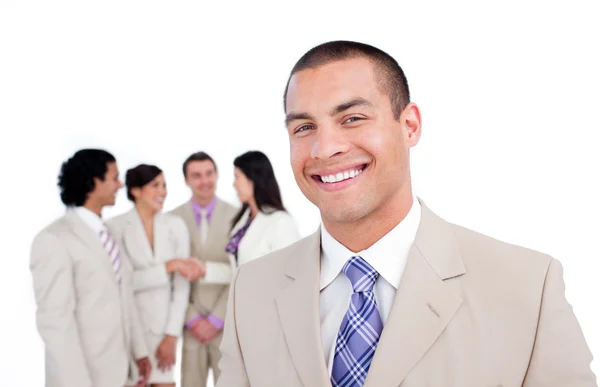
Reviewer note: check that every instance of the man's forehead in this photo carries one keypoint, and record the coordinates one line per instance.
(201, 165)
(341, 81)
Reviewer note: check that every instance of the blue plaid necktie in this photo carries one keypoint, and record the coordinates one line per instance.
(360, 329)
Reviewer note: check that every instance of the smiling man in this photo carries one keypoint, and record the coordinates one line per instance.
(86, 313)
(386, 293)
(208, 219)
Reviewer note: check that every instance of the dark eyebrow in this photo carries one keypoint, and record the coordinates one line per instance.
(347, 105)
(297, 116)
(338, 109)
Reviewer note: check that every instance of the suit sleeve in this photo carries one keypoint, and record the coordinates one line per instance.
(217, 273)
(560, 356)
(54, 291)
(181, 286)
(231, 364)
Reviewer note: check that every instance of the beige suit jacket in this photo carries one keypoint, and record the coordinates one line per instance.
(162, 298)
(470, 311)
(209, 294)
(89, 324)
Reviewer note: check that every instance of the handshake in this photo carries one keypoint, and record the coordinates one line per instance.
(190, 268)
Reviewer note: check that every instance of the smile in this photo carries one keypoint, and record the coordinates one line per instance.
(340, 176)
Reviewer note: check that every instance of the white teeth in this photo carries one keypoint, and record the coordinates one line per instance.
(340, 176)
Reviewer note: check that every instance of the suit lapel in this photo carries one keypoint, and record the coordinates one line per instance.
(252, 236)
(90, 240)
(216, 224)
(298, 307)
(187, 214)
(240, 222)
(161, 239)
(424, 304)
(136, 240)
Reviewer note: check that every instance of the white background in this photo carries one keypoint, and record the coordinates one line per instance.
(509, 94)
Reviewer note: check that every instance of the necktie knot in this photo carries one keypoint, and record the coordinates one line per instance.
(362, 276)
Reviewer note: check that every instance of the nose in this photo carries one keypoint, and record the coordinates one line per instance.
(329, 142)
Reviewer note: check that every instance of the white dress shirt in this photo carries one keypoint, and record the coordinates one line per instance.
(388, 256)
(91, 219)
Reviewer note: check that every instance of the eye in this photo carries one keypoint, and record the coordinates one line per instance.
(353, 119)
(303, 128)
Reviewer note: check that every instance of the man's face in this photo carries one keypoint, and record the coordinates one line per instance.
(349, 155)
(201, 177)
(105, 191)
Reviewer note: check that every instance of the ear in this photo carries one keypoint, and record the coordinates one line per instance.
(136, 192)
(411, 119)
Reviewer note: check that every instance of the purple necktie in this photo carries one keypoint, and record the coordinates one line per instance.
(112, 249)
(360, 329)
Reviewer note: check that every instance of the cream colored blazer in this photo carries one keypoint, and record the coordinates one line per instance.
(88, 323)
(161, 298)
(470, 311)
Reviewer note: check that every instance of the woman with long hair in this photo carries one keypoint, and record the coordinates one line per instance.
(263, 224)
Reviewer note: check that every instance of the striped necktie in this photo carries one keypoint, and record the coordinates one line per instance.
(113, 252)
(360, 329)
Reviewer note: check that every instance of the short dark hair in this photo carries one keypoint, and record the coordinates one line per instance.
(257, 167)
(140, 176)
(198, 156)
(389, 74)
(77, 174)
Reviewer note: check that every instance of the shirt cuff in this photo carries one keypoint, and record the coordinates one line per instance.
(215, 321)
(189, 323)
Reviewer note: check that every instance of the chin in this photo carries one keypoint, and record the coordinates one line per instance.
(342, 212)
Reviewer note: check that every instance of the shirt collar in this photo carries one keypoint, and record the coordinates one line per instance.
(197, 208)
(388, 255)
(90, 218)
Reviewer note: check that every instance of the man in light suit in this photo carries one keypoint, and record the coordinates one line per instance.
(208, 219)
(86, 314)
(387, 293)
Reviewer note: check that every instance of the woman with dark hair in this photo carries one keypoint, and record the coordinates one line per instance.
(157, 246)
(262, 225)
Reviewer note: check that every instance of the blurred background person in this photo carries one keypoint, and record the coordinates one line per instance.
(208, 220)
(157, 246)
(86, 312)
(262, 225)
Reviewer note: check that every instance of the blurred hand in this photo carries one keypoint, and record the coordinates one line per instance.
(144, 368)
(166, 353)
(204, 331)
(193, 269)
(190, 268)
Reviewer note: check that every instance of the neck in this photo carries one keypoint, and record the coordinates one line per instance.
(360, 234)
(94, 207)
(146, 213)
(253, 208)
(203, 201)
